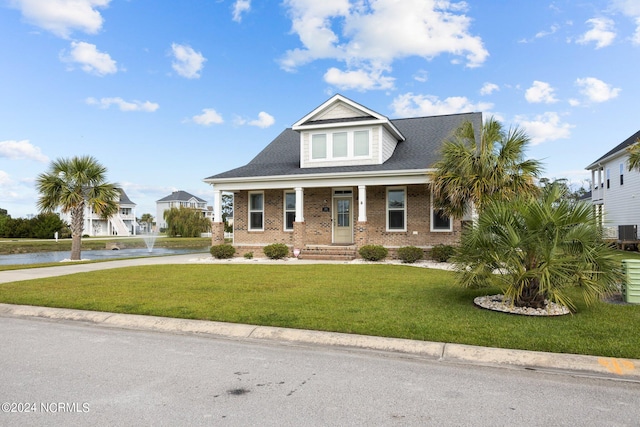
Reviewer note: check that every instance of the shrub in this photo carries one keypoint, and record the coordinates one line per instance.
(373, 252)
(248, 255)
(410, 254)
(223, 251)
(276, 251)
(442, 253)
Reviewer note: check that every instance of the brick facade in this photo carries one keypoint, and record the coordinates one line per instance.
(317, 227)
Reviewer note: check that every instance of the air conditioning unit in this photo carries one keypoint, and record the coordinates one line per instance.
(627, 233)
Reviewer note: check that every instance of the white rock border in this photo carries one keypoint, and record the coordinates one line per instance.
(498, 303)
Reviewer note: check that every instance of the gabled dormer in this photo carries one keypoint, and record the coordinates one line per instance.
(341, 132)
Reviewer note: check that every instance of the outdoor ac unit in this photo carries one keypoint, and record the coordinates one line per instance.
(627, 233)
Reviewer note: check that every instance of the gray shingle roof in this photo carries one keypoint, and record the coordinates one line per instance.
(624, 144)
(420, 150)
(180, 196)
(124, 199)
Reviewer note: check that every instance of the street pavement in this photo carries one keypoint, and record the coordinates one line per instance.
(605, 367)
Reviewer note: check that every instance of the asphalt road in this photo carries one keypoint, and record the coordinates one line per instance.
(71, 373)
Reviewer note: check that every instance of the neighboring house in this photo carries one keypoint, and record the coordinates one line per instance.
(179, 199)
(121, 224)
(342, 177)
(615, 191)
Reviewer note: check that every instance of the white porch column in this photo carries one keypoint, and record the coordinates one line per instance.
(217, 206)
(362, 203)
(299, 204)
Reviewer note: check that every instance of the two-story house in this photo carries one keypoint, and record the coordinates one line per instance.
(341, 177)
(178, 199)
(122, 223)
(615, 191)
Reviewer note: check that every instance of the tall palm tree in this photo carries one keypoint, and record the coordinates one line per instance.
(71, 184)
(475, 171)
(534, 249)
(634, 155)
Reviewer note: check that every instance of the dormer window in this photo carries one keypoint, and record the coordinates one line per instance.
(341, 145)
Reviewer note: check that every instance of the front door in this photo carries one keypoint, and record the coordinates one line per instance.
(342, 220)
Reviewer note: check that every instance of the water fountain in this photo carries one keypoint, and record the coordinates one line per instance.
(149, 240)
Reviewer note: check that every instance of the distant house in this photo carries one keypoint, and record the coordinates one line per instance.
(179, 199)
(615, 191)
(121, 224)
(342, 177)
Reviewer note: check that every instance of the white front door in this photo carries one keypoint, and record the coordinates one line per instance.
(342, 220)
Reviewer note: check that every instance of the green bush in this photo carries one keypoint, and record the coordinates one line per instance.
(410, 254)
(223, 251)
(248, 255)
(373, 252)
(276, 251)
(442, 253)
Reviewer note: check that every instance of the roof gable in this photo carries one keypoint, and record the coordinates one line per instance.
(617, 149)
(180, 196)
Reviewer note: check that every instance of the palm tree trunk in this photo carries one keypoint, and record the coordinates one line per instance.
(77, 221)
(530, 296)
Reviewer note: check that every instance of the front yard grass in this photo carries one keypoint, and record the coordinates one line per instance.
(382, 300)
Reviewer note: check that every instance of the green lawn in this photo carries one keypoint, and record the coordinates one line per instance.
(383, 300)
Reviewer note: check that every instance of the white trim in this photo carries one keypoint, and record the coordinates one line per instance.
(404, 209)
(249, 210)
(334, 219)
(351, 146)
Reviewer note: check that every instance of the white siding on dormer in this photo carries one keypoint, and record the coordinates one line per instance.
(389, 143)
(339, 111)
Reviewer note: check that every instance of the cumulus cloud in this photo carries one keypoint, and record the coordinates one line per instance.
(489, 88)
(62, 17)
(123, 105)
(19, 150)
(186, 61)
(540, 92)
(544, 127)
(358, 79)
(630, 8)
(240, 7)
(91, 60)
(375, 34)
(596, 90)
(411, 105)
(208, 117)
(601, 33)
(263, 121)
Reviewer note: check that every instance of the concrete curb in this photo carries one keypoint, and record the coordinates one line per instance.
(628, 369)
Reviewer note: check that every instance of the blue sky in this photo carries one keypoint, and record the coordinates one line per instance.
(167, 93)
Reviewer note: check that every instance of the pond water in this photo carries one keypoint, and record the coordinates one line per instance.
(41, 257)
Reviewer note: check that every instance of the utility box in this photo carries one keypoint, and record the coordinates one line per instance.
(628, 233)
(631, 283)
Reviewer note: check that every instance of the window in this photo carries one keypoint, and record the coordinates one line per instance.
(608, 178)
(361, 143)
(440, 221)
(621, 173)
(340, 145)
(319, 146)
(396, 212)
(289, 210)
(256, 211)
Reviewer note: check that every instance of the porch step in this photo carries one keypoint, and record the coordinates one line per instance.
(329, 253)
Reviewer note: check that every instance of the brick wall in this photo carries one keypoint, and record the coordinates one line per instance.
(317, 226)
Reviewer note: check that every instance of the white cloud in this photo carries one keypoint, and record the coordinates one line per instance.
(357, 79)
(374, 34)
(410, 105)
(544, 127)
(18, 150)
(187, 62)
(240, 7)
(123, 105)
(602, 32)
(62, 17)
(630, 8)
(540, 92)
(489, 88)
(208, 117)
(263, 121)
(91, 60)
(596, 90)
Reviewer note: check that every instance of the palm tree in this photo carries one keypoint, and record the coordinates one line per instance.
(534, 249)
(71, 184)
(634, 155)
(474, 172)
(147, 219)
